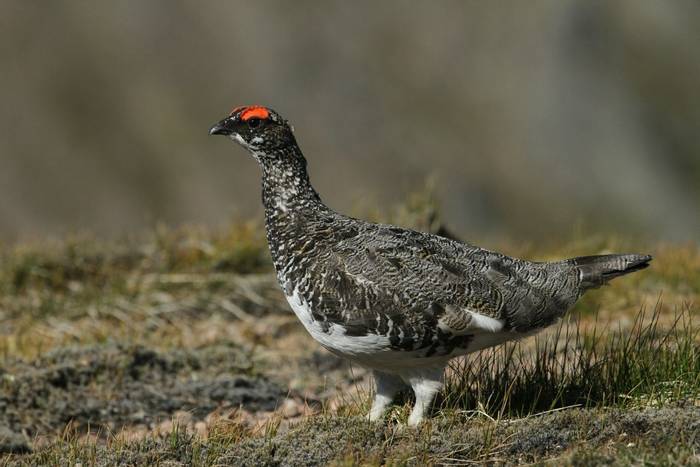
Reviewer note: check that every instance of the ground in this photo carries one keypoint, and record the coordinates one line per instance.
(176, 347)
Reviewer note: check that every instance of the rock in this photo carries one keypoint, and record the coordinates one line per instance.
(290, 408)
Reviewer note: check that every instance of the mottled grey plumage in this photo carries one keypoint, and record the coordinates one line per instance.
(394, 299)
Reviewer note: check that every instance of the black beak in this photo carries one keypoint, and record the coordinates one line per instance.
(221, 128)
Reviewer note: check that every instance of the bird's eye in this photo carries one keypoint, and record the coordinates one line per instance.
(254, 122)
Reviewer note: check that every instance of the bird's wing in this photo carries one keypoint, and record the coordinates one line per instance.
(424, 280)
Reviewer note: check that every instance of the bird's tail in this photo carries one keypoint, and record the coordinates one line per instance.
(598, 270)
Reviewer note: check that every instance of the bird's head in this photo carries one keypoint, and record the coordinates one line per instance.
(260, 130)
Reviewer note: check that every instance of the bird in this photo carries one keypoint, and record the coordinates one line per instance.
(399, 302)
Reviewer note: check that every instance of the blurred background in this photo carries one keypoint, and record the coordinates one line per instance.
(531, 118)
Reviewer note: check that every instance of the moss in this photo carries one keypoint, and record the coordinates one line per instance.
(315, 442)
(102, 389)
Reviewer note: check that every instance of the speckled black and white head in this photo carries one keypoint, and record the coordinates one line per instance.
(269, 138)
(260, 130)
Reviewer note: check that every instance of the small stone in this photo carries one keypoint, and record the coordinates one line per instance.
(165, 427)
(290, 408)
(202, 429)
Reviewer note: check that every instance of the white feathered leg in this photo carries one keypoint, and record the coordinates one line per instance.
(387, 387)
(426, 384)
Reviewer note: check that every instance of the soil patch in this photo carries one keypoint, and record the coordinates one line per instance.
(109, 387)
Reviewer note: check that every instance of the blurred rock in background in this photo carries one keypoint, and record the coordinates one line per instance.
(531, 117)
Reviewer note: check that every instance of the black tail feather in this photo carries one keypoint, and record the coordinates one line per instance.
(598, 270)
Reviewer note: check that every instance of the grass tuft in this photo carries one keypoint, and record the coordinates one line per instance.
(645, 365)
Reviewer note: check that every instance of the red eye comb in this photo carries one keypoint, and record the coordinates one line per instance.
(251, 112)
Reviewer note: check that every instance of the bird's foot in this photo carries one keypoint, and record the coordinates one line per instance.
(426, 384)
(415, 418)
(376, 413)
(387, 387)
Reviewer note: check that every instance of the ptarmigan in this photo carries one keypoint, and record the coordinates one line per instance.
(400, 302)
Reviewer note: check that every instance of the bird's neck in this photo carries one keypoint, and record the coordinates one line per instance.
(290, 201)
(286, 185)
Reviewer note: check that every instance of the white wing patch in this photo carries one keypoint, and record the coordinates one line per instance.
(485, 323)
(461, 321)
